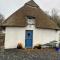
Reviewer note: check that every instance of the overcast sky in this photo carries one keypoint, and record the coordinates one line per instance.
(7, 7)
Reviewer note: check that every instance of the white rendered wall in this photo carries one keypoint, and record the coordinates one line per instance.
(15, 34)
(58, 36)
(40, 36)
(43, 36)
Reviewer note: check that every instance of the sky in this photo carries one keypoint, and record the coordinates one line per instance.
(8, 7)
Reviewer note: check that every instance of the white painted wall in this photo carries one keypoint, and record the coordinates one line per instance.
(14, 34)
(40, 36)
(58, 37)
(44, 36)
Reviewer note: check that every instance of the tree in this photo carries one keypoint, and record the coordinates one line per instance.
(54, 16)
(1, 20)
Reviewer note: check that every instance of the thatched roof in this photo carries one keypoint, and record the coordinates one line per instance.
(18, 19)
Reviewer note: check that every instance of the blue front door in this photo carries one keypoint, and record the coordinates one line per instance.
(28, 38)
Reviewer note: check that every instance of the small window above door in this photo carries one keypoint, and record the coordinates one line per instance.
(30, 17)
(30, 20)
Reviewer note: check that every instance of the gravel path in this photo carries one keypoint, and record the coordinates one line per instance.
(29, 54)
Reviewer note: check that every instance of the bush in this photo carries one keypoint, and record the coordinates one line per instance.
(37, 46)
(19, 46)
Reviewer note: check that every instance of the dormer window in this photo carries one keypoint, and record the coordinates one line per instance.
(30, 20)
(30, 17)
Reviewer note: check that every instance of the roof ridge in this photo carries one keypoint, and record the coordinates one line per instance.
(32, 0)
(32, 3)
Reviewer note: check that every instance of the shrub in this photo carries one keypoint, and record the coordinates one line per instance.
(19, 46)
(38, 46)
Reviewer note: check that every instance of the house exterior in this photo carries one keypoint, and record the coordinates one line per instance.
(30, 26)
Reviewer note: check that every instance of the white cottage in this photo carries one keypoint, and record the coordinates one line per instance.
(30, 26)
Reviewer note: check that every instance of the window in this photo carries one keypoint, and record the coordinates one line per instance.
(30, 20)
(30, 17)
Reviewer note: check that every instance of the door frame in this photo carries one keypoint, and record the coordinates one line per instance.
(25, 38)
